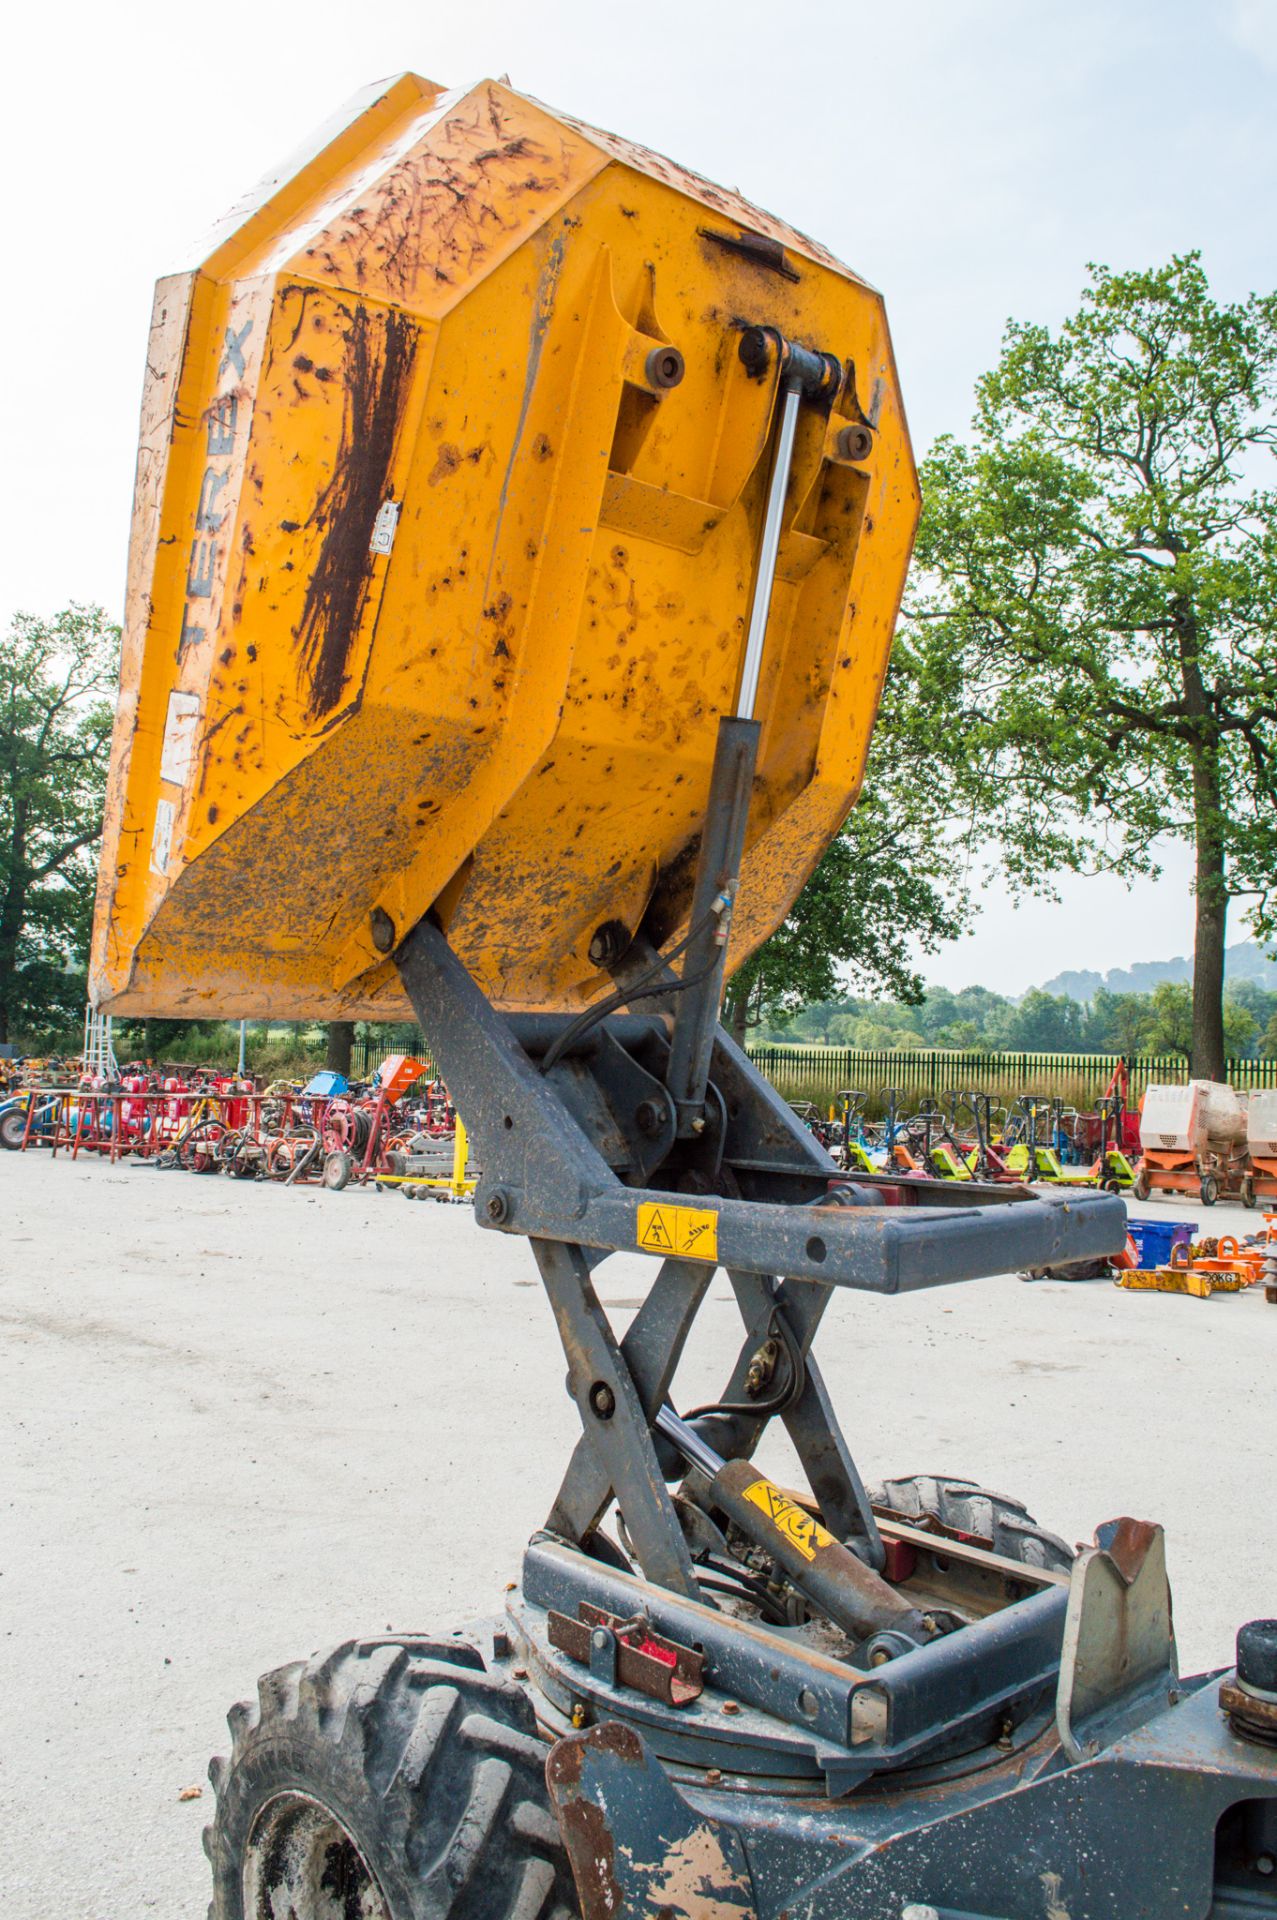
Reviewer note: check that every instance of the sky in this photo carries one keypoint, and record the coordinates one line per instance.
(969, 157)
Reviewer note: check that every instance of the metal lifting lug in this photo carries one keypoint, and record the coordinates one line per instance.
(629, 1653)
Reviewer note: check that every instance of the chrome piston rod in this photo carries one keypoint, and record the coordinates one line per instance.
(804, 375)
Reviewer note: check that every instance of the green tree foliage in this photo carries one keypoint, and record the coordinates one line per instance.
(57, 683)
(1122, 1021)
(888, 890)
(1042, 1023)
(1170, 1026)
(1268, 1045)
(175, 1041)
(978, 1020)
(1241, 1030)
(1091, 623)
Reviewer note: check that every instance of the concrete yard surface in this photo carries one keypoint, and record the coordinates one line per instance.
(241, 1423)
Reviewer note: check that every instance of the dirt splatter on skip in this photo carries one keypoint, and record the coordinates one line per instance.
(380, 350)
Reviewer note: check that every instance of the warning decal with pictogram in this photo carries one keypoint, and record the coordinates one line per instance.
(790, 1520)
(691, 1232)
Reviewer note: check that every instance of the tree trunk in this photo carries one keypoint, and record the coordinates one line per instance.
(341, 1038)
(1207, 1056)
(12, 913)
(735, 1010)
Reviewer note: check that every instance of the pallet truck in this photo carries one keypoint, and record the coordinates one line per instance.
(1110, 1168)
(527, 517)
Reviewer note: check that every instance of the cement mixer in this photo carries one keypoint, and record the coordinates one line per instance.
(519, 530)
(1260, 1181)
(1193, 1141)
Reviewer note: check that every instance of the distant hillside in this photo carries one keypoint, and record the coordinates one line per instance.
(1246, 961)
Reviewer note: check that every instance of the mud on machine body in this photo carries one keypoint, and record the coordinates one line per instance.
(526, 518)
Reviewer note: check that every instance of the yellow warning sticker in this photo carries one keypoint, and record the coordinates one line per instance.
(691, 1232)
(793, 1521)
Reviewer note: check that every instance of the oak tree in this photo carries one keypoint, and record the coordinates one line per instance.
(57, 687)
(1093, 612)
(889, 889)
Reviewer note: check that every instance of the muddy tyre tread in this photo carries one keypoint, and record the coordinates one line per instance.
(431, 1764)
(969, 1508)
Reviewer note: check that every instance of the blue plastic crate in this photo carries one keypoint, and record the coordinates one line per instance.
(1154, 1240)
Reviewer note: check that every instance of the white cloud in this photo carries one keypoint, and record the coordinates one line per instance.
(1253, 24)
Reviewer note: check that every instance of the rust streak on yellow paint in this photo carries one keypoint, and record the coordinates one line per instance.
(437, 588)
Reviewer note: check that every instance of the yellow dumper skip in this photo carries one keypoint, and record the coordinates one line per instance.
(448, 493)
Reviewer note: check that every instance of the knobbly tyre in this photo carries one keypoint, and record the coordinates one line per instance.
(528, 518)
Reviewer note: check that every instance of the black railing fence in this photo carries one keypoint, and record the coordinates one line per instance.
(819, 1073)
(367, 1054)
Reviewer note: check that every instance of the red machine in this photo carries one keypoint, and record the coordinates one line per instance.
(354, 1132)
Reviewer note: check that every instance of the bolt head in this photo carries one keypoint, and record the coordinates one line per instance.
(856, 442)
(602, 1400)
(608, 942)
(1257, 1655)
(665, 367)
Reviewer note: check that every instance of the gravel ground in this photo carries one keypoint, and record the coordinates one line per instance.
(239, 1423)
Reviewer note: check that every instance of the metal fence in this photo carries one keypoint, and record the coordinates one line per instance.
(366, 1055)
(818, 1073)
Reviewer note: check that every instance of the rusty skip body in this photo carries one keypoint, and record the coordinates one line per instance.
(455, 450)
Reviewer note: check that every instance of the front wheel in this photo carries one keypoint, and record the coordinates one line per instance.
(13, 1127)
(1209, 1192)
(1142, 1185)
(338, 1168)
(389, 1780)
(393, 1165)
(1248, 1191)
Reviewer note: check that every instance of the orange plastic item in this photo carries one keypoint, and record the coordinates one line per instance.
(397, 1073)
